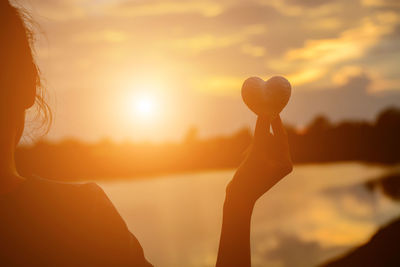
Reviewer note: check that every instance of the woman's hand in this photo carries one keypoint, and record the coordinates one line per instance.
(267, 162)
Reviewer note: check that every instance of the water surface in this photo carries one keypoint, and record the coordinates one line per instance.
(316, 213)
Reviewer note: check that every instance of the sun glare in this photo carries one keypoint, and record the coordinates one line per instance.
(145, 106)
(143, 102)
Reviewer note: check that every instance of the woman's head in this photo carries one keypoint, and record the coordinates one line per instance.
(20, 84)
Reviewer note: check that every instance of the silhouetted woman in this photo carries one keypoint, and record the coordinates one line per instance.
(47, 223)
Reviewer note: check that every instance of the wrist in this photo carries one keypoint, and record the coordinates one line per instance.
(238, 197)
(239, 205)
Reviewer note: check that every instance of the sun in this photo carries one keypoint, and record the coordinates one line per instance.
(144, 102)
(145, 106)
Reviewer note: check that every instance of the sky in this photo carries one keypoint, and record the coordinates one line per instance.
(152, 69)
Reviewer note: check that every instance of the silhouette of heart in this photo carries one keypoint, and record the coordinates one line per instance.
(266, 98)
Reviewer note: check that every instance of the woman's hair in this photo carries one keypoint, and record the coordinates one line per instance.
(20, 83)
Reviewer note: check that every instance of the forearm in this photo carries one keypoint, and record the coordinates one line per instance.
(234, 246)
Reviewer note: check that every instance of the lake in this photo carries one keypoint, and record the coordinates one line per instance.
(316, 213)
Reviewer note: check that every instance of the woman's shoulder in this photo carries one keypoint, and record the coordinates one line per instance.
(98, 216)
(87, 199)
(39, 185)
(84, 211)
(60, 196)
(75, 204)
(35, 180)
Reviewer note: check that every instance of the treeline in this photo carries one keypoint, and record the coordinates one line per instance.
(321, 141)
(377, 141)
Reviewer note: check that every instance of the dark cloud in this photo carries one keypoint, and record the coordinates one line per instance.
(358, 191)
(307, 3)
(361, 198)
(350, 101)
(389, 184)
(248, 13)
(230, 60)
(291, 251)
(388, 46)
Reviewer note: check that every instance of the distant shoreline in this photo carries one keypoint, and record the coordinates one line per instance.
(321, 142)
(163, 175)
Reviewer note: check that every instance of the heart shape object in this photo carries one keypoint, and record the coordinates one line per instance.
(266, 98)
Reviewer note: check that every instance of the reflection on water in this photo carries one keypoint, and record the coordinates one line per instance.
(316, 213)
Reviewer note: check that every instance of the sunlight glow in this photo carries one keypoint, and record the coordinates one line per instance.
(144, 101)
(145, 106)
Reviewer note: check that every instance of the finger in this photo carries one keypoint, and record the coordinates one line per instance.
(261, 131)
(281, 137)
(279, 129)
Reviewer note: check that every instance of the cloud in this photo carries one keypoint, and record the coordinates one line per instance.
(292, 251)
(200, 43)
(109, 36)
(331, 23)
(381, 3)
(351, 43)
(220, 84)
(344, 74)
(253, 50)
(354, 201)
(156, 8)
(60, 10)
(345, 52)
(319, 56)
(306, 76)
(309, 3)
(298, 8)
(245, 13)
(352, 100)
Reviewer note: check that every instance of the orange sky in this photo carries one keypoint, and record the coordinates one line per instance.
(104, 60)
